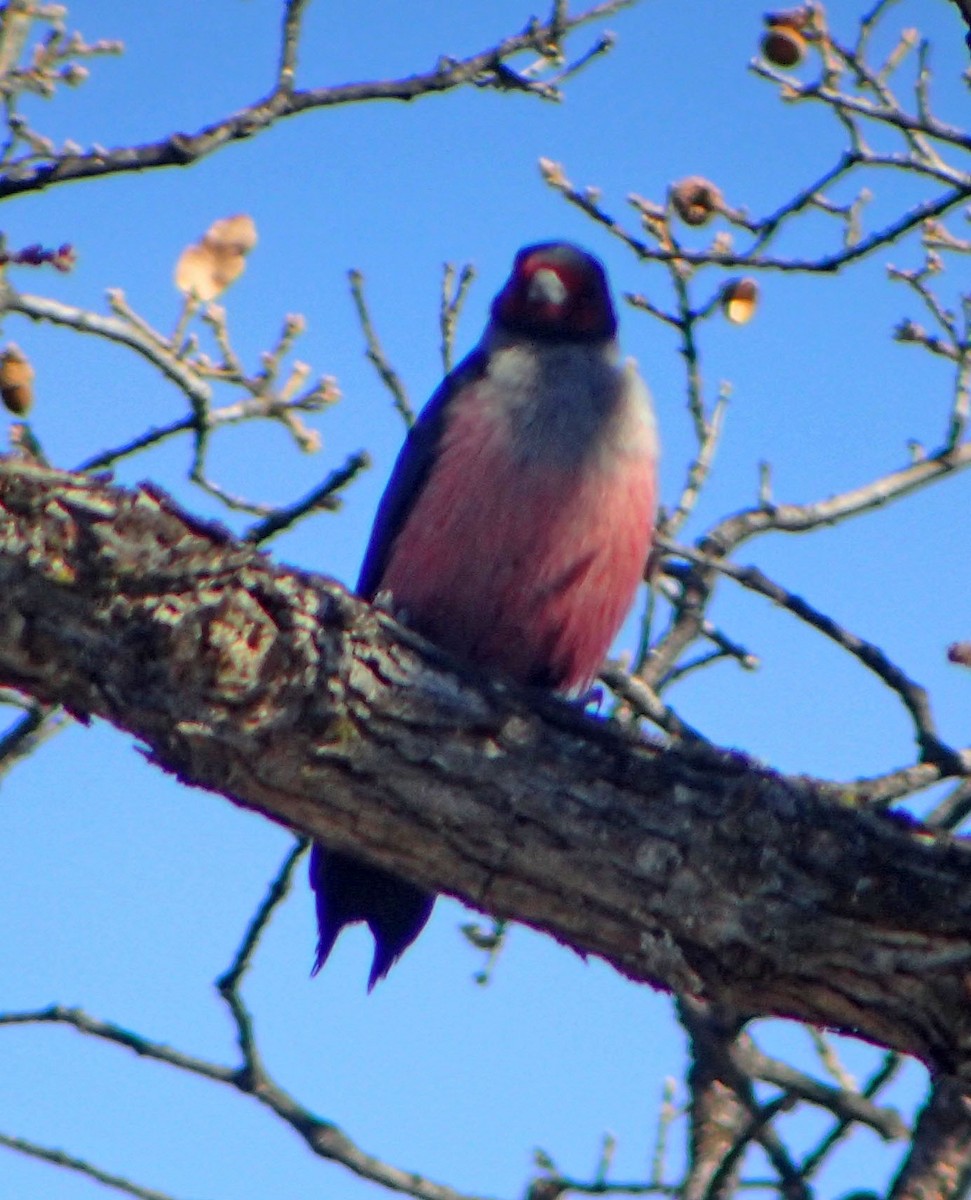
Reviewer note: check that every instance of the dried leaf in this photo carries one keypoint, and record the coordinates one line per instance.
(206, 268)
(237, 233)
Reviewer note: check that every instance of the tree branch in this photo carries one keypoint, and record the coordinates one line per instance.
(250, 1076)
(487, 68)
(693, 869)
(324, 1138)
(939, 1164)
(730, 532)
(914, 697)
(60, 1158)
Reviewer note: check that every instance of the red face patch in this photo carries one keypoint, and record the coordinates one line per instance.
(582, 309)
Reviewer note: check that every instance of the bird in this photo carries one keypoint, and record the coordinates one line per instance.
(515, 528)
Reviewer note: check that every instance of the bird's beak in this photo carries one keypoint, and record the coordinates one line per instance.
(546, 287)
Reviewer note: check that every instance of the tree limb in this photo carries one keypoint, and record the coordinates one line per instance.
(487, 68)
(694, 869)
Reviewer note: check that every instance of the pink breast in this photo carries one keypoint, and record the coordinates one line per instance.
(529, 570)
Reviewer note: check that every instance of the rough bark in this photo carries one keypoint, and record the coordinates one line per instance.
(717, 1115)
(694, 870)
(939, 1167)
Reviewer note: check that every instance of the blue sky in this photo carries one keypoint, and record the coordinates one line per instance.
(124, 892)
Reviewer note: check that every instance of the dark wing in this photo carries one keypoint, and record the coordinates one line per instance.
(411, 471)
(346, 889)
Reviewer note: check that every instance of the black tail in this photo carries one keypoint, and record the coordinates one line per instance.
(349, 890)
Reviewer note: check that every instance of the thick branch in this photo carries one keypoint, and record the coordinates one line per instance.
(692, 869)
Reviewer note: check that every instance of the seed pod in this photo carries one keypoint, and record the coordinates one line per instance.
(960, 653)
(16, 381)
(696, 200)
(739, 299)
(783, 45)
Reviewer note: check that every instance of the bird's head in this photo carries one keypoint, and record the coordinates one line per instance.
(556, 292)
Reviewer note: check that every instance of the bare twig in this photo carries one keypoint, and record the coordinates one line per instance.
(323, 1137)
(953, 809)
(289, 44)
(709, 431)
(323, 497)
(76, 1018)
(752, 257)
(645, 702)
(733, 530)
(453, 297)
(375, 352)
(913, 696)
(831, 1062)
(191, 376)
(59, 1158)
(148, 345)
(488, 68)
(228, 983)
(725, 646)
(881, 1077)
(880, 791)
(667, 1113)
(847, 1103)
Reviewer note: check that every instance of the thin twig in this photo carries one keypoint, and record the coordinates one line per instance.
(726, 646)
(732, 531)
(831, 1061)
(880, 791)
(289, 44)
(453, 298)
(710, 434)
(913, 696)
(375, 352)
(276, 893)
(815, 1158)
(845, 1102)
(77, 1018)
(751, 257)
(115, 329)
(324, 1138)
(484, 69)
(228, 983)
(667, 1113)
(953, 809)
(59, 1158)
(323, 497)
(646, 703)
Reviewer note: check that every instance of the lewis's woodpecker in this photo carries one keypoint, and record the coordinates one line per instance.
(515, 528)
